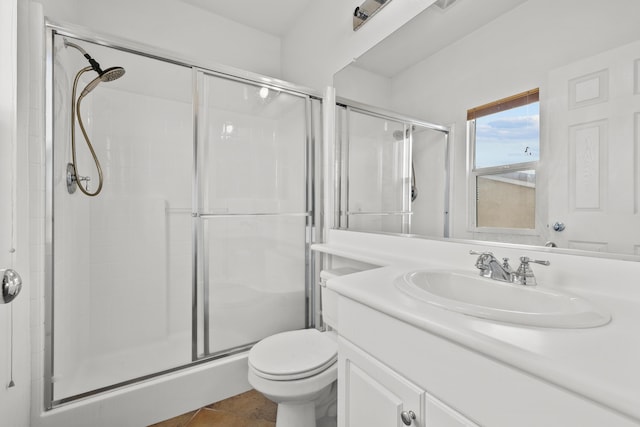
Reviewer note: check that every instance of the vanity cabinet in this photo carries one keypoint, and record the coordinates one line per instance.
(372, 394)
(387, 367)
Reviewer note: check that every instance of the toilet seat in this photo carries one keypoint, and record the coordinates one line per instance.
(293, 355)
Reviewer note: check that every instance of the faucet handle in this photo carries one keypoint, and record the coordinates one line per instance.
(524, 274)
(472, 252)
(526, 260)
(483, 257)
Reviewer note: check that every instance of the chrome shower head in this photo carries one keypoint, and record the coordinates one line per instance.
(399, 135)
(108, 75)
(111, 74)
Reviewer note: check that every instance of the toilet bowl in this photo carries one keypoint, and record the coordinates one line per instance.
(298, 371)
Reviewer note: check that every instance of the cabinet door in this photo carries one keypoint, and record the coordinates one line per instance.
(372, 395)
(440, 415)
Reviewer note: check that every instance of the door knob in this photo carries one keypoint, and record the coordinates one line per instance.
(11, 284)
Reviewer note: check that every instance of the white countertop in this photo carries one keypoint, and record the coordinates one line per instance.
(601, 364)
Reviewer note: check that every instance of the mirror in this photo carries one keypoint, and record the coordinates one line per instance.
(584, 56)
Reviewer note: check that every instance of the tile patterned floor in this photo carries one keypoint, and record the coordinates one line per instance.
(249, 409)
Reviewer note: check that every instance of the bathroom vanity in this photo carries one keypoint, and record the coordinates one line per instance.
(403, 361)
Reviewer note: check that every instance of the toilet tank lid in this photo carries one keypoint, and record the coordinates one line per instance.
(294, 353)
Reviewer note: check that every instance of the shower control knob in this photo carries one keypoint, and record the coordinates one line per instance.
(11, 284)
(407, 417)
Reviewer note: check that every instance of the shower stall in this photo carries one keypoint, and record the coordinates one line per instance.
(198, 243)
(392, 172)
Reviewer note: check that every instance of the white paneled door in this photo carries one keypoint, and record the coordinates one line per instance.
(593, 111)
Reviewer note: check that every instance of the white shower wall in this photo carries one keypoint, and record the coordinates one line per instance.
(140, 230)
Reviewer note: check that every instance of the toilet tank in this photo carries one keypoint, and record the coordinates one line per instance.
(328, 298)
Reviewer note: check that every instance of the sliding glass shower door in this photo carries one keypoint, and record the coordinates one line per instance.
(198, 244)
(375, 170)
(254, 211)
(119, 296)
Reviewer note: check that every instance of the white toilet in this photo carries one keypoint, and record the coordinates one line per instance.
(298, 371)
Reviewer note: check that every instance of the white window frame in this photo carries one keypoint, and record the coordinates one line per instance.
(474, 173)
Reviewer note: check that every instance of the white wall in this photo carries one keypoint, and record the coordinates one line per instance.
(323, 41)
(364, 86)
(14, 235)
(177, 27)
(503, 58)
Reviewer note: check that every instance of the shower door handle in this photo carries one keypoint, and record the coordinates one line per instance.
(11, 284)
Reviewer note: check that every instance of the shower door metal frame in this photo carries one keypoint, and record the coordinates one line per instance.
(312, 203)
(341, 184)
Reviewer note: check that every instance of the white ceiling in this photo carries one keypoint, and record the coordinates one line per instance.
(271, 16)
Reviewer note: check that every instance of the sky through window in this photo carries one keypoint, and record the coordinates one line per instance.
(508, 137)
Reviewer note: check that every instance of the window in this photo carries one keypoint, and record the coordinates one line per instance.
(504, 148)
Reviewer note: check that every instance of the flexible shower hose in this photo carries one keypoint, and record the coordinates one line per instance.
(75, 111)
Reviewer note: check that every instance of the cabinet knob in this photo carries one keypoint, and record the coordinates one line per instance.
(407, 417)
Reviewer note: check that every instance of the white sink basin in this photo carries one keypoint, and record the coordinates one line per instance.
(490, 299)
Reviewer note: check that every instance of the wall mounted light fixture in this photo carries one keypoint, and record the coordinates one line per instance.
(366, 10)
(369, 8)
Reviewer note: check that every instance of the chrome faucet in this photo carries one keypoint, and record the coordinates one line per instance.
(491, 268)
